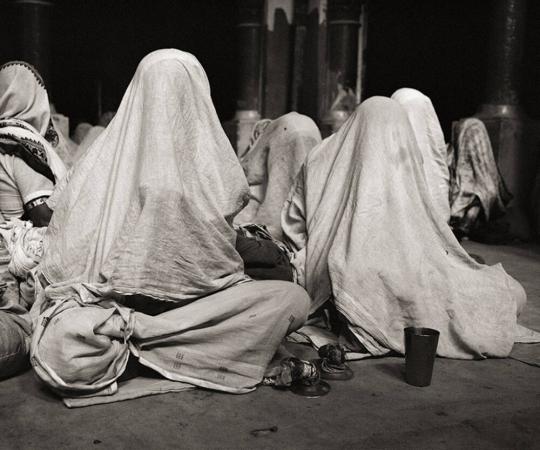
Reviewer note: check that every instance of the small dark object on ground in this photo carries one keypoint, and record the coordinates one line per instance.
(316, 389)
(263, 431)
(332, 363)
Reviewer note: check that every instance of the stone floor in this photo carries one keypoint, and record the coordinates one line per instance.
(470, 404)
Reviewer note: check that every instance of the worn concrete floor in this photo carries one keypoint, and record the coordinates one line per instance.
(470, 404)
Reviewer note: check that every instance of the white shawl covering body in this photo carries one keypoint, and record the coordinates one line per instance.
(366, 232)
(430, 139)
(271, 166)
(148, 208)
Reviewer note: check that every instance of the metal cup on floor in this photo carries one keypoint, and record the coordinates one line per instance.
(420, 350)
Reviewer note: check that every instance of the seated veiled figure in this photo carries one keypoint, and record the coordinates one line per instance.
(81, 130)
(271, 164)
(369, 243)
(140, 256)
(430, 138)
(465, 185)
(478, 194)
(89, 138)
(29, 169)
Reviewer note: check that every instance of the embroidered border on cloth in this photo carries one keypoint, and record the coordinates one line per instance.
(30, 151)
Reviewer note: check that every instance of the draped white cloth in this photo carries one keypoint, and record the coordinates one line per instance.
(430, 139)
(146, 215)
(23, 96)
(23, 130)
(361, 217)
(25, 110)
(271, 166)
(89, 138)
(148, 208)
(477, 176)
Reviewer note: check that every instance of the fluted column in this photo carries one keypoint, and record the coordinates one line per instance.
(299, 48)
(511, 133)
(248, 103)
(504, 66)
(34, 38)
(343, 22)
(278, 46)
(249, 52)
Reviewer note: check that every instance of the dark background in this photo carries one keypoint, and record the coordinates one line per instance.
(437, 46)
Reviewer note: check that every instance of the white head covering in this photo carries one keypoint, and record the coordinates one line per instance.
(81, 130)
(375, 245)
(430, 138)
(477, 175)
(23, 96)
(25, 111)
(271, 165)
(148, 208)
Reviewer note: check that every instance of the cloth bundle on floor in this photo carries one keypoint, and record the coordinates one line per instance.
(365, 228)
(25, 245)
(271, 165)
(145, 217)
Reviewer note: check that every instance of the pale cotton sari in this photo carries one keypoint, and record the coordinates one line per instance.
(478, 192)
(124, 212)
(25, 118)
(430, 140)
(271, 165)
(30, 167)
(369, 239)
(144, 221)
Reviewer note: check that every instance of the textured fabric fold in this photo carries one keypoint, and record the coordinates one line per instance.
(271, 165)
(361, 215)
(148, 208)
(223, 341)
(82, 350)
(430, 139)
(477, 179)
(25, 115)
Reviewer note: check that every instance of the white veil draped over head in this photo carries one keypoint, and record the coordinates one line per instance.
(23, 96)
(361, 217)
(271, 165)
(148, 208)
(477, 176)
(430, 139)
(25, 112)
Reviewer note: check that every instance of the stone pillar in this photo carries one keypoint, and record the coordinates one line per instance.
(507, 29)
(248, 103)
(34, 35)
(343, 22)
(510, 131)
(277, 57)
(313, 82)
(299, 50)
